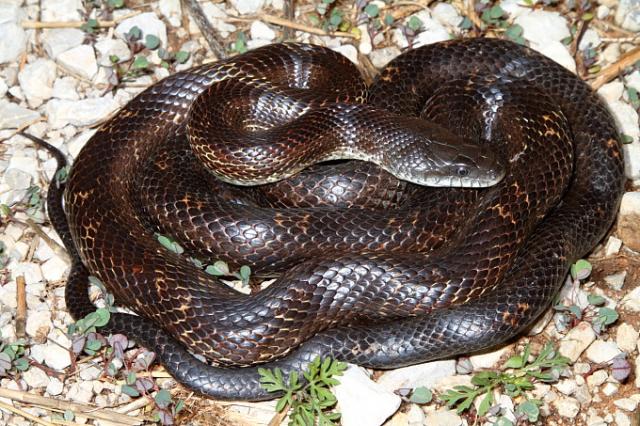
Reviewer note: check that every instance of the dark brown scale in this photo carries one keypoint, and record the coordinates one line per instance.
(380, 289)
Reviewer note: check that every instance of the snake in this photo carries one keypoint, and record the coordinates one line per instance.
(371, 266)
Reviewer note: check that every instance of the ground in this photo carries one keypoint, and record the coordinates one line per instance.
(66, 66)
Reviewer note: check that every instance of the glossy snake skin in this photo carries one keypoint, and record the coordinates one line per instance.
(416, 274)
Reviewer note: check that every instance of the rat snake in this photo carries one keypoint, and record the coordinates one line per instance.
(371, 269)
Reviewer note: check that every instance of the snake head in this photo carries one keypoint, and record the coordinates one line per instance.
(433, 156)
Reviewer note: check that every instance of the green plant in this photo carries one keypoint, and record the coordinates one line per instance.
(310, 401)
(12, 357)
(600, 316)
(519, 378)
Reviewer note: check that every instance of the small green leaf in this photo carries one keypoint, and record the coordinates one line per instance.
(414, 23)
(576, 311)
(607, 316)
(388, 19)
(163, 398)
(21, 364)
(245, 274)
(372, 10)
(626, 139)
(179, 406)
(485, 404)
(466, 24)
(596, 300)
(151, 42)
(131, 391)
(182, 56)
(116, 4)
(581, 269)
(140, 63)
(587, 16)
(167, 242)
(135, 33)
(218, 269)
(496, 12)
(515, 361)
(335, 18)
(530, 409)
(68, 415)
(131, 378)
(421, 395)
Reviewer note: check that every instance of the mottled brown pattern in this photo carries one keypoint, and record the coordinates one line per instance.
(423, 274)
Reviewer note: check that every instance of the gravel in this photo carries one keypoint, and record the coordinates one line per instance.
(59, 84)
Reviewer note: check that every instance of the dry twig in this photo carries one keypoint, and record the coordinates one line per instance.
(276, 20)
(21, 312)
(613, 70)
(24, 414)
(82, 410)
(208, 32)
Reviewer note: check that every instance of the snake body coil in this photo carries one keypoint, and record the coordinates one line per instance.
(420, 274)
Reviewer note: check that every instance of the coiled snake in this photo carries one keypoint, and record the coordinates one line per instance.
(419, 274)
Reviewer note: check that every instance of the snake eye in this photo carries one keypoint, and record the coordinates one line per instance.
(462, 171)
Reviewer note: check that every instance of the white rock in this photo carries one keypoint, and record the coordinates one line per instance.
(558, 52)
(37, 352)
(399, 38)
(597, 378)
(363, 402)
(611, 53)
(567, 386)
(381, 57)
(260, 30)
(54, 269)
(90, 373)
(81, 392)
(628, 222)
(577, 340)
(65, 88)
(637, 371)
(632, 154)
(54, 387)
(17, 179)
(57, 41)
(602, 12)
(171, 10)
(112, 47)
(31, 271)
(245, 7)
(217, 16)
(349, 51)
(13, 39)
(57, 357)
(628, 14)
(365, 47)
(616, 281)
(148, 24)
(567, 407)
(601, 351)
(446, 14)
(3, 87)
(36, 378)
(62, 10)
(611, 91)
(490, 360)
(36, 81)
(433, 32)
(426, 374)
(38, 324)
(633, 80)
(443, 417)
(590, 39)
(13, 116)
(613, 246)
(415, 416)
(626, 117)
(80, 60)
(515, 8)
(627, 404)
(79, 113)
(621, 419)
(542, 27)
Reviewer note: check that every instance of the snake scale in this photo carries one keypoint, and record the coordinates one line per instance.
(413, 274)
